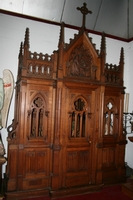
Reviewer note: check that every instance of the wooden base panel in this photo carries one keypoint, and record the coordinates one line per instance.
(127, 188)
(16, 195)
(75, 191)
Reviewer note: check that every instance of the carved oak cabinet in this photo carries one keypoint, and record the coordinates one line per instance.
(67, 133)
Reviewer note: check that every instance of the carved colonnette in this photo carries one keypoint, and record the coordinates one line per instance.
(68, 130)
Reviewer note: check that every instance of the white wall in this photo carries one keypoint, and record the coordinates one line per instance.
(44, 38)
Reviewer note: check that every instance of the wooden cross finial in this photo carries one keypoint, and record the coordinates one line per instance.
(84, 10)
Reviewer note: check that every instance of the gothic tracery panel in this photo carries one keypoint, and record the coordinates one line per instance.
(78, 117)
(38, 118)
(110, 117)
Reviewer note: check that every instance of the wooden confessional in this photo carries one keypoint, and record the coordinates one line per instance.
(67, 133)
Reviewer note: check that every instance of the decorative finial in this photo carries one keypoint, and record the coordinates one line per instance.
(61, 39)
(122, 55)
(21, 49)
(103, 43)
(84, 10)
(26, 41)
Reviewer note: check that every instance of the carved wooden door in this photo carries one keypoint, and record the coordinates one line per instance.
(77, 135)
(38, 128)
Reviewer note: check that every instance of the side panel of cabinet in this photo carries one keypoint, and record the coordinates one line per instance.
(12, 173)
(113, 138)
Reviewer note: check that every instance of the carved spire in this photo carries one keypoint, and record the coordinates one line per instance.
(121, 64)
(122, 56)
(61, 39)
(84, 10)
(61, 51)
(21, 50)
(103, 44)
(26, 40)
(26, 47)
(103, 55)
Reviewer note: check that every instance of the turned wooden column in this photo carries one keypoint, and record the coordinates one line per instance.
(2, 161)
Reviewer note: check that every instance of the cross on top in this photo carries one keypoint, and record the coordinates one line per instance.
(84, 10)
